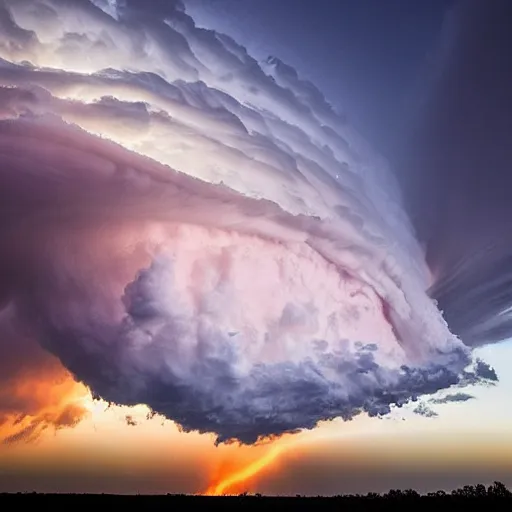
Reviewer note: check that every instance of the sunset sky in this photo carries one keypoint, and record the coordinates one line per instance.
(466, 443)
(123, 280)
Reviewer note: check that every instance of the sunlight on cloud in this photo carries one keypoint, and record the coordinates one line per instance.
(201, 234)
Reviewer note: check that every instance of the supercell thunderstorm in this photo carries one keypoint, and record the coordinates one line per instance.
(188, 228)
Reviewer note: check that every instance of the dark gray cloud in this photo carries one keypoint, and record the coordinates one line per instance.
(202, 233)
(424, 410)
(455, 397)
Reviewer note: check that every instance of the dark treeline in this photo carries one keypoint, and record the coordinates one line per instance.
(495, 494)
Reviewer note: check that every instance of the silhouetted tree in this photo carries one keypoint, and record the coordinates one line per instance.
(468, 491)
(437, 494)
(394, 494)
(498, 490)
(480, 491)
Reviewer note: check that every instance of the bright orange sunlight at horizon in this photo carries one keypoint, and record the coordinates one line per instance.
(241, 475)
(236, 481)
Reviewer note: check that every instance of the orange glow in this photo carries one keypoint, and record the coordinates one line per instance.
(51, 401)
(237, 481)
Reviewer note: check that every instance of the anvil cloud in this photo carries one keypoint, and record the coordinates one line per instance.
(188, 228)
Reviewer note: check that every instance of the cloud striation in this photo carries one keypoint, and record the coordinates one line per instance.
(456, 175)
(188, 228)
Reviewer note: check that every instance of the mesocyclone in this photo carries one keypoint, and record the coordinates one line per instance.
(201, 232)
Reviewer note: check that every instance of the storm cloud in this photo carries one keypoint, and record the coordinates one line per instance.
(188, 228)
(456, 174)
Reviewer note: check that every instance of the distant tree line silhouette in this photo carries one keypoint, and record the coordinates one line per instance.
(494, 494)
(496, 490)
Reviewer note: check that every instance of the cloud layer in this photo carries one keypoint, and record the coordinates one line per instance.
(188, 228)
